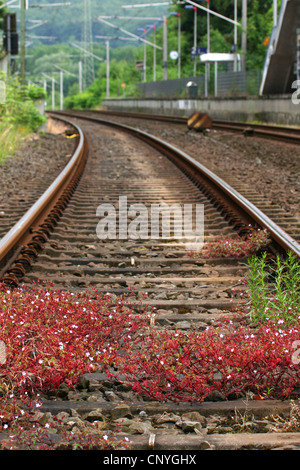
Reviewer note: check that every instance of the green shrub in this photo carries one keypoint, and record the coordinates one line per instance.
(19, 108)
(274, 289)
(36, 93)
(18, 115)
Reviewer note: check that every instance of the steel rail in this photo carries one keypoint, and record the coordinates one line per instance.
(32, 229)
(236, 204)
(286, 134)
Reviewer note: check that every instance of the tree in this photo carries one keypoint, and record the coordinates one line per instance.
(260, 16)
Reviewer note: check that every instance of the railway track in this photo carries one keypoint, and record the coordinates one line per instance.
(285, 134)
(183, 293)
(274, 211)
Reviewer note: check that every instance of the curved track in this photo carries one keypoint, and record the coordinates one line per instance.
(285, 134)
(184, 293)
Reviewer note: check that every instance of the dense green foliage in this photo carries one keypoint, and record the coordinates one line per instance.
(260, 17)
(66, 23)
(18, 115)
(19, 108)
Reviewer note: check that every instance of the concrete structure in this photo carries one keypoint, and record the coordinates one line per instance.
(4, 63)
(278, 109)
(279, 69)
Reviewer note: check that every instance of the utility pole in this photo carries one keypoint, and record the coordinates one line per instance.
(165, 49)
(235, 36)
(154, 54)
(178, 15)
(179, 45)
(145, 56)
(195, 40)
(107, 69)
(87, 44)
(23, 4)
(244, 34)
(53, 92)
(207, 65)
(80, 75)
(61, 90)
(145, 62)
(53, 88)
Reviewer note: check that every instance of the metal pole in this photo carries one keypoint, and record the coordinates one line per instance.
(154, 54)
(207, 65)
(145, 62)
(8, 44)
(80, 75)
(22, 40)
(208, 27)
(235, 36)
(244, 34)
(195, 40)
(107, 69)
(216, 78)
(165, 50)
(61, 90)
(179, 45)
(53, 93)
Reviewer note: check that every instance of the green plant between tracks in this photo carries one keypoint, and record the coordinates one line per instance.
(274, 288)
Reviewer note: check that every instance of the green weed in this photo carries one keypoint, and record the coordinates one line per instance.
(274, 289)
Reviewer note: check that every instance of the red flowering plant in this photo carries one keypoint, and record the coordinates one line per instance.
(52, 336)
(190, 367)
(238, 247)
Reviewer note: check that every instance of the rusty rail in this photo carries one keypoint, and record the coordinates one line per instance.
(239, 209)
(19, 246)
(281, 133)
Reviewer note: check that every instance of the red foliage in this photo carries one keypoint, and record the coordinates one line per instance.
(53, 337)
(189, 367)
(238, 247)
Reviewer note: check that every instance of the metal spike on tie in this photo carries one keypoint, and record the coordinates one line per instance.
(151, 441)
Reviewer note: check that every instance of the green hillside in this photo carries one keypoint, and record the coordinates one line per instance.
(66, 25)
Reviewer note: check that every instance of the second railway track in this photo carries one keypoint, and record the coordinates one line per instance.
(184, 293)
